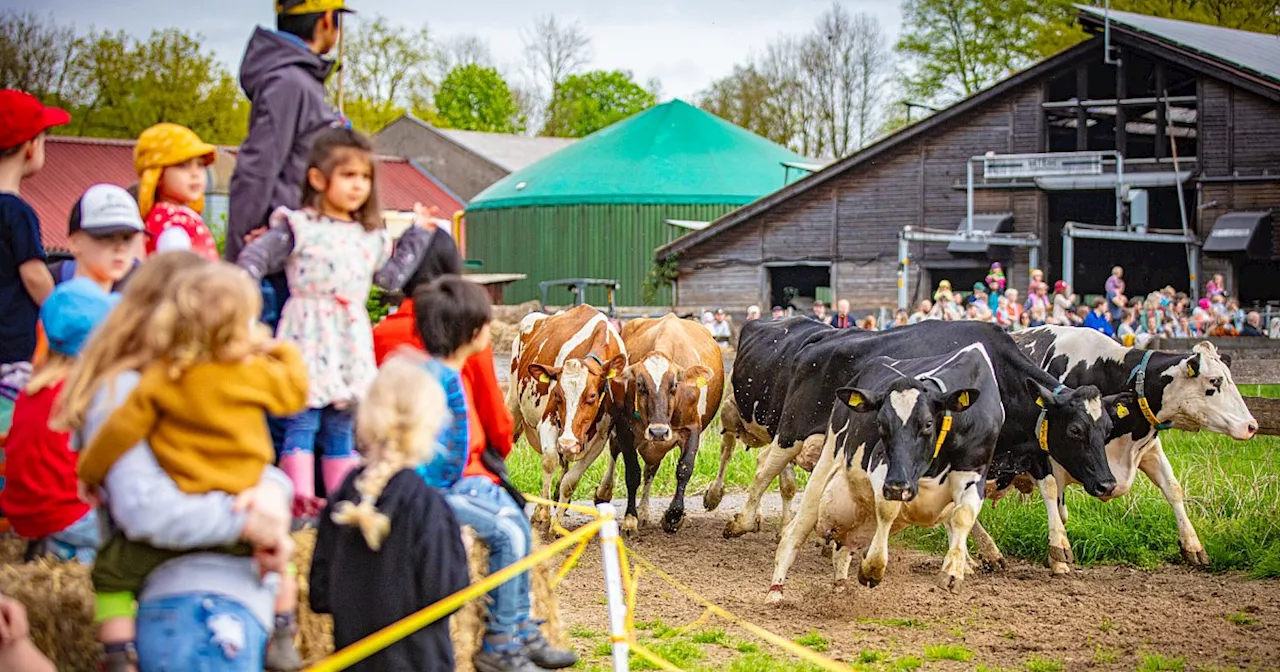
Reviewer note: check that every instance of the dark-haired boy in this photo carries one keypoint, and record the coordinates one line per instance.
(453, 322)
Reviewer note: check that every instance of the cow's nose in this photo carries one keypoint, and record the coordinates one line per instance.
(1105, 489)
(659, 432)
(1253, 429)
(896, 491)
(568, 444)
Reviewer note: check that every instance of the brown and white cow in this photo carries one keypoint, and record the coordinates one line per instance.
(672, 394)
(565, 377)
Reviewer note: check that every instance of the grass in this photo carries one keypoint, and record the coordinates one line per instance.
(934, 652)
(906, 663)
(1267, 391)
(1105, 656)
(1042, 664)
(813, 640)
(579, 632)
(869, 656)
(896, 622)
(1242, 619)
(1106, 625)
(1158, 663)
(711, 637)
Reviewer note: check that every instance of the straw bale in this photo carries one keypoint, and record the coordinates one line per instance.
(60, 605)
(514, 313)
(503, 336)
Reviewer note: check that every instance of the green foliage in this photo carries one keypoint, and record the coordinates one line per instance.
(1242, 618)
(814, 641)
(934, 652)
(579, 632)
(603, 649)
(747, 647)
(1158, 663)
(377, 306)
(711, 637)
(871, 656)
(475, 98)
(370, 116)
(385, 71)
(1105, 656)
(896, 622)
(907, 663)
(1042, 664)
(659, 279)
(1106, 625)
(586, 103)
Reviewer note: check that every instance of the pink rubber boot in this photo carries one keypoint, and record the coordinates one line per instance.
(335, 470)
(301, 469)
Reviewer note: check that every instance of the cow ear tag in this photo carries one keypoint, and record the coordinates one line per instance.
(702, 382)
(964, 400)
(544, 379)
(856, 400)
(1191, 371)
(1122, 411)
(611, 375)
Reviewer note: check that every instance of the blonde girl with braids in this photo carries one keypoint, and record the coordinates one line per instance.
(389, 545)
(206, 378)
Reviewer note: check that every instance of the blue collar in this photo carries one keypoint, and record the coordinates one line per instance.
(1139, 377)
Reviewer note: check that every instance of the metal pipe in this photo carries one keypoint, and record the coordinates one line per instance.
(904, 259)
(1205, 179)
(1129, 236)
(968, 222)
(1068, 256)
(1033, 259)
(911, 234)
(1111, 102)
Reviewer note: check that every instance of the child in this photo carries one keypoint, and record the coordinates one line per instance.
(40, 497)
(1037, 278)
(171, 162)
(388, 544)
(200, 405)
(103, 230)
(338, 241)
(453, 323)
(1216, 286)
(25, 280)
(17, 652)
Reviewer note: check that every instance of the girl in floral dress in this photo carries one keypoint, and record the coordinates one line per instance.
(332, 247)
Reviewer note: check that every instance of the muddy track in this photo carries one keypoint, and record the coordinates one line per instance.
(1097, 618)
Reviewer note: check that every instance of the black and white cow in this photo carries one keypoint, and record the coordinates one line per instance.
(1189, 391)
(908, 443)
(1040, 414)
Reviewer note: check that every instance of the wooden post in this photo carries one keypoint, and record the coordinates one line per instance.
(1267, 412)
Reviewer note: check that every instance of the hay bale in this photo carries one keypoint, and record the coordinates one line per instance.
(513, 314)
(60, 606)
(504, 335)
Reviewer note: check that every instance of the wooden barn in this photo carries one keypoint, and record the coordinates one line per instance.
(1171, 134)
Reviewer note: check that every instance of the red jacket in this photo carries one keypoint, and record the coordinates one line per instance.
(39, 496)
(484, 397)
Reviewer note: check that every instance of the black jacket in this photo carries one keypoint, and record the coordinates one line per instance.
(421, 562)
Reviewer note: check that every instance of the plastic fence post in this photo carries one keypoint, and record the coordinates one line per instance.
(613, 587)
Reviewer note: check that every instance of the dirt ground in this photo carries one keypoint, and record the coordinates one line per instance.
(1097, 618)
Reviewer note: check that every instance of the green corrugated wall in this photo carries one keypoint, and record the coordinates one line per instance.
(578, 241)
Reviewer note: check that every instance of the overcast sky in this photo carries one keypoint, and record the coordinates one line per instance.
(683, 43)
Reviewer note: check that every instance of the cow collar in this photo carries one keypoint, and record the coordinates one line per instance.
(1042, 423)
(946, 418)
(1139, 378)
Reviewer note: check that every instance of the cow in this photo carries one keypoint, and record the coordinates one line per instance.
(1188, 391)
(565, 378)
(672, 393)
(1041, 415)
(732, 430)
(908, 442)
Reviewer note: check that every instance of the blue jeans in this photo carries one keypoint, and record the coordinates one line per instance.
(78, 542)
(328, 431)
(504, 529)
(275, 292)
(200, 632)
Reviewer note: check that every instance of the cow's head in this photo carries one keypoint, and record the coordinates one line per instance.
(1202, 395)
(1078, 424)
(576, 391)
(657, 386)
(909, 415)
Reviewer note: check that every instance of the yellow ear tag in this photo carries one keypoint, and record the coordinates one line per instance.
(964, 400)
(544, 379)
(1044, 436)
(702, 382)
(1191, 372)
(611, 375)
(1122, 411)
(855, 400)
(1040, 402)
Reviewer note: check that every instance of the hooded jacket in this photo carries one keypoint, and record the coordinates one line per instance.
(285, 84)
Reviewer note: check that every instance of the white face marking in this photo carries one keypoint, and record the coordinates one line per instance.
(657, 368)
(904, 403)
(702, 401)
(1094, 408)
(573, 380)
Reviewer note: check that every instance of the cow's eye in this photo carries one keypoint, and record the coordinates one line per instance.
(591, 398)
(1075, 432)
(926, 428)
(1216, 382)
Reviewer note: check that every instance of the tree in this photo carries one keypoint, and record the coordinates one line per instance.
(35, 55)
(555, 50)
(386, 71)
(476, 98)
(586, 103)
(461, 50)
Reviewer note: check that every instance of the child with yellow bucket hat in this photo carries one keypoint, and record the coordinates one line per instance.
(172, 163)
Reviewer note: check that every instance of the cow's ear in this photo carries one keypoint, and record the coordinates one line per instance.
(1194, 363)
(616, 366)
(960, 400)
(1225, 357)
(1121, 406)
(1043, 395)
(544, 374)
(859, 400)
(698, 376)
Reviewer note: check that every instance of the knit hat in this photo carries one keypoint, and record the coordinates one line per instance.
(159, 147)
(71, 313)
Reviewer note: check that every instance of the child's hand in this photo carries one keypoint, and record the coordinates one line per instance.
(275, 557)
(267, 516)
(426, 217)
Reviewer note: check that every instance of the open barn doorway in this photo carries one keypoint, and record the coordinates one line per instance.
(799, 286)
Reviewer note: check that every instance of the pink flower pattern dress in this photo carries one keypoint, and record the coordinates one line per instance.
(330, 273)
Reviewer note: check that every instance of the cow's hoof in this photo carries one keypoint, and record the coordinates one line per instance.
(996, 564)
(736, 528)
(842, 585)
(1196, 558)
(672, 521)
(951, 583)
(826, 548)
(870, 576)
(603, 499)
(712, 497)
(775, 594)
(630, 525)
(1061, 555)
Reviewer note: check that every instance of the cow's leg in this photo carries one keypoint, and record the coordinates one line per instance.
(841, 560)
(1157, 468)
(631, 470)
(966, 493)
(871, 573)
(1060, 557)
(604, 491)
(772, 461)
(797, 530)
(715, 492)
(550, 462)
(674, 517)
(990, 554)
(787, 488)
(650, 472)
(569, 482)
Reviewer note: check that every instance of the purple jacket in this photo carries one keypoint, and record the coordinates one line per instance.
(284, 81)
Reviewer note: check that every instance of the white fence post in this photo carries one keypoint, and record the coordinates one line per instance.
(613, 588)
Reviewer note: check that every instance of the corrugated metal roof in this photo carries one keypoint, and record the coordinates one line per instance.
(72, 165)
(671, 153)
(1257, 52)
(509, 152)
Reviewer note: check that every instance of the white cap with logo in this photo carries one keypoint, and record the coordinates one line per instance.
(106, 210)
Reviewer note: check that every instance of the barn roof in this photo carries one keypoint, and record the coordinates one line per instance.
(509, 152)
(72, 165)
(673, 153)
(1194, 53)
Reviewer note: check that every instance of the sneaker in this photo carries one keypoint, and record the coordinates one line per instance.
(503, 653)
(282, 655)
(542, 653)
